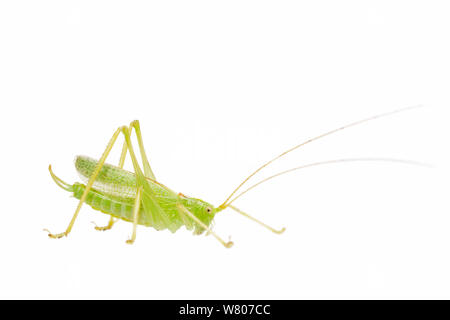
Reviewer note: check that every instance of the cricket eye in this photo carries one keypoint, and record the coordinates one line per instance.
(208, 209)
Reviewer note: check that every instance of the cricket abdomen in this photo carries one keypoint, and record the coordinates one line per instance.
(119, 208)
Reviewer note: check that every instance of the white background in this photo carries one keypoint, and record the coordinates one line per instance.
(219, 88)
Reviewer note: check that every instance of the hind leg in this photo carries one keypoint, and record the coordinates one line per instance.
(88, 186)
(111, 221)
(136, 209)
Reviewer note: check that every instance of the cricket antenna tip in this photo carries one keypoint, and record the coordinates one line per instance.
(280, 231)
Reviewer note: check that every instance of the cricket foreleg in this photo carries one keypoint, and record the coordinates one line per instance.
(88, 186)
(136, 209)
(183, 210)
(257, 221)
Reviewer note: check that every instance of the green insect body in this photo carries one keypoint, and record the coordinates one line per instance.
(114, 191)
(139, 198)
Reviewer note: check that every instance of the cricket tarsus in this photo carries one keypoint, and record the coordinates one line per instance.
(56, 235)
(110, 224)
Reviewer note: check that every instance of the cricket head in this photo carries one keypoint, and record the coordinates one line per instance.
(202, 210)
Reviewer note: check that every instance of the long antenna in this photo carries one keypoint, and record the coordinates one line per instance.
(224, 204)
(327, 162)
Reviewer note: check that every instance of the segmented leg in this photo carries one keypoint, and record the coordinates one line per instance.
(111, 221)
(88, 186)
(147, 169)
(110, 224)
(149, 203)
(136, 209)
(184, 210)
(257, 221)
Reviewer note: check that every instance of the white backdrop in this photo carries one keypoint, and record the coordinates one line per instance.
(219, 88)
